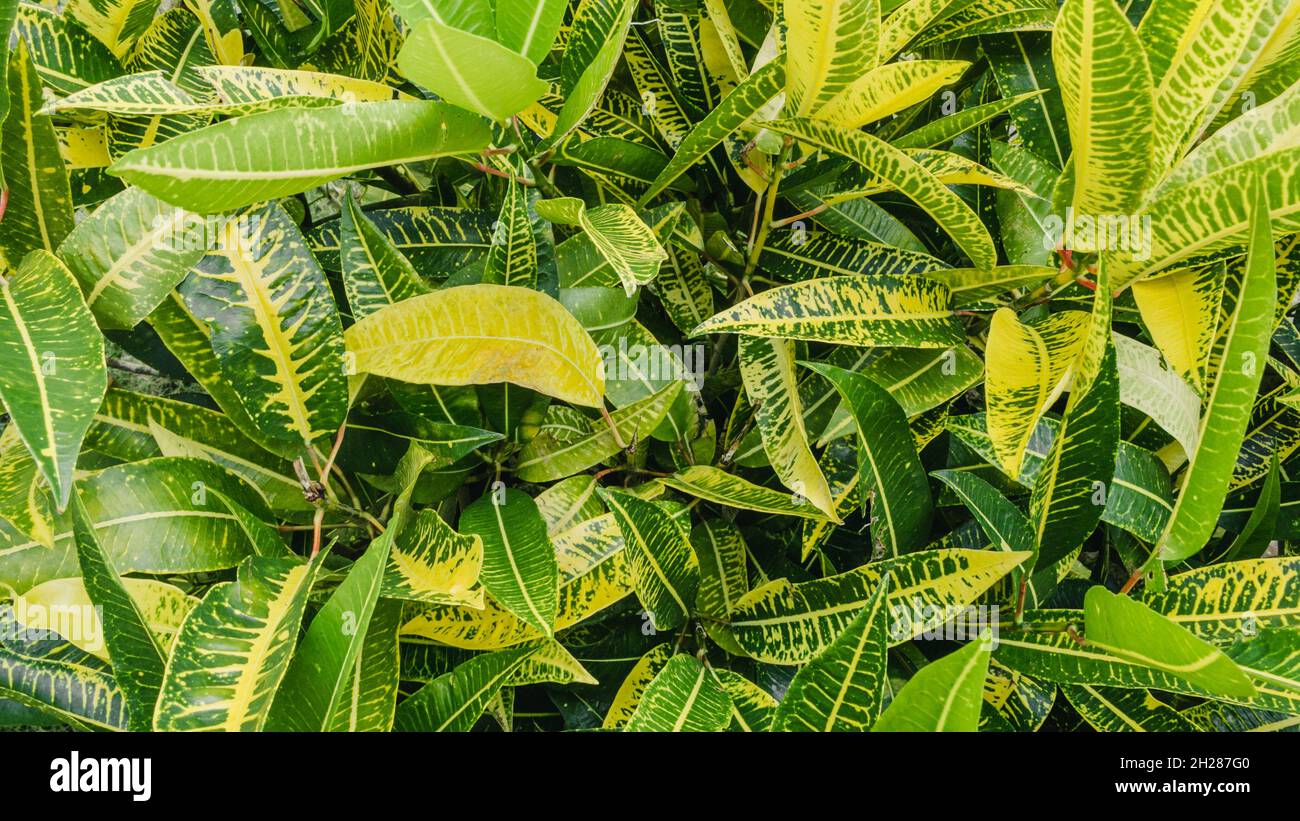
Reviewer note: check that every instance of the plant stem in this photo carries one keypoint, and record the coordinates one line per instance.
(769, 208)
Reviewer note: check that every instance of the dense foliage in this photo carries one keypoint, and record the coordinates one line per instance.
(672, 365)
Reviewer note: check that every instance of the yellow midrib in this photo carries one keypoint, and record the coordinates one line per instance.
(241, 696)
(248, 273)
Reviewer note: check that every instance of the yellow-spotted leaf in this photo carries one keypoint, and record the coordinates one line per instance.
(829, 45)
(723, 488)
(234, 648)
(25, 501)
(375, 273)
(55, 604)
(664, 567)
(52, 375)
(1213, 213)
(786, 623)
(1216, 42)
(684, 697)
(1106, 86)
(454, 701)
(882, 311)
(1028, 368)
(1068, 497)
(904, 174)
(149, 92)
(890, 88)
(1110, 709)
(431, 563)
(1181, 310)
(73, 687)
(626, 243)
(245, 88)
(767, 367)
(634, 686)
(274, 329)
(736, 109)
(478, 335)
(1225, 602)
(130, 253)
(115, 23)
(843, 688)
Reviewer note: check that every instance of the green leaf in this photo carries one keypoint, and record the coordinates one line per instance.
(665, 570)
(1068, 497)
(1227, 411)
(1005, 526)
(343, 676)
(453, 702)
(139, 511)
(138, 658)
(438, 57)
(736, 109)
(1131, 630)
(684, 697)
(52, 375)
(842, 689)
(529, 26)
(602, 27)
(519, 569)
(945, 696)
(38, 215)
(888, 463)
(572, 443)
(264, 156)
